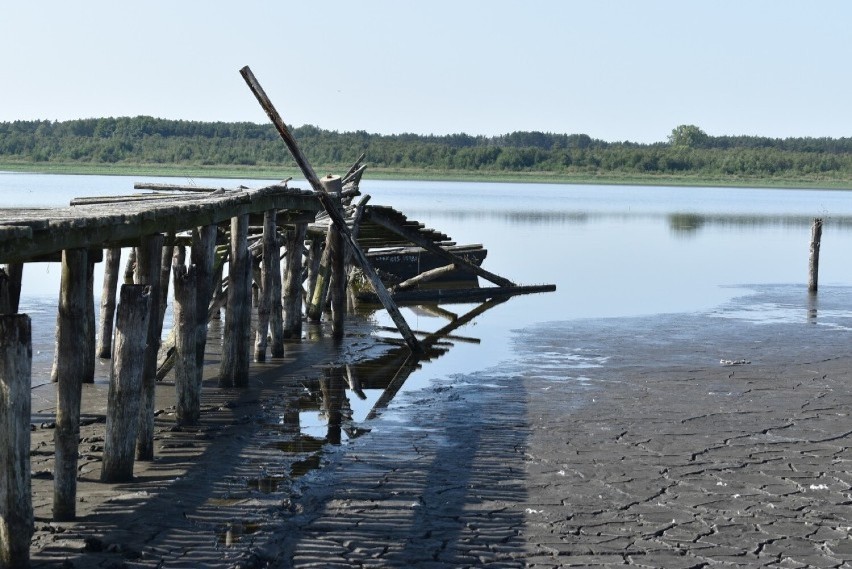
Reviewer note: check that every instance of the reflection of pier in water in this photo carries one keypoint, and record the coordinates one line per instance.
(329, 393)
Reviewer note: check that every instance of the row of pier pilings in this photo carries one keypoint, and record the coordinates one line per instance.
(130, 331)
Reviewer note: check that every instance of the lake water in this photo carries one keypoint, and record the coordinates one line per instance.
(611, 251)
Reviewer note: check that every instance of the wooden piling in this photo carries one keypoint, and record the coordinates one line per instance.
(234, 368)
(130, 267)
(203, 255)
(187, 387)
(276, 311)
(292, 290)
(813, 264)
(333, 186)
(10, 287)
(70, 347)
(148, 259)
(269, 264)
(317, 300)
(16, 508)
(91, 324)
(166, 273)
(112, 263)
(314, 258)
(125, 384)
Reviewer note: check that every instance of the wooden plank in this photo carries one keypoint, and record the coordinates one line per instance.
(41, 232)
(453, 295)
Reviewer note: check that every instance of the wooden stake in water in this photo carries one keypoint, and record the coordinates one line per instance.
(813, 265)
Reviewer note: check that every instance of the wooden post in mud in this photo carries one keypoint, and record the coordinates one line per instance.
(269, 264)
(112, 263)
(203, 256)
(16, 507)
(148, 259)
(317, 300)
(125, 383)
(234, 368)
(292, 289)
(333, 186)
(187, 388)
(813, 264)
(70, 347)
(314, 259)
(165, 276)
(91, 324)
(276, 309)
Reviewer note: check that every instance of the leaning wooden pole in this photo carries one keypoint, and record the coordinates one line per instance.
(16, 506)
(71, 347)
(125, 383)
(813, 264)
(334, 213)
(112, 265)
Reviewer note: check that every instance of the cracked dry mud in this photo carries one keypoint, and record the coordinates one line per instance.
(599, 443)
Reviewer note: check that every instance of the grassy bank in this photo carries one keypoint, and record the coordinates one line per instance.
(425, 174)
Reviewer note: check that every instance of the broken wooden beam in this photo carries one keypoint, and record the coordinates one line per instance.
(335, 215)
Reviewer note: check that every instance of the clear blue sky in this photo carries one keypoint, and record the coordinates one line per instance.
(616, 70)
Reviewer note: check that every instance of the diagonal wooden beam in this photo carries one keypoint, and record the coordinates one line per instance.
(332, 209)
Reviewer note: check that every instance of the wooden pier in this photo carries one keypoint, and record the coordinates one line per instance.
(206, 249)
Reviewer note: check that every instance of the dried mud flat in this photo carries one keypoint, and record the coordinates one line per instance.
(597, 443)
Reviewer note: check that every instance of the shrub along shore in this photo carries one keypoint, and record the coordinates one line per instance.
(149, 146)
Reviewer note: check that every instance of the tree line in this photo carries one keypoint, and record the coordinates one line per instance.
(688, 151)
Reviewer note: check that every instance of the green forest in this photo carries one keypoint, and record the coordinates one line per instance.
(687, 153)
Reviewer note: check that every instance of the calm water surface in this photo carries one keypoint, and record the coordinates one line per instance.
(612, 251)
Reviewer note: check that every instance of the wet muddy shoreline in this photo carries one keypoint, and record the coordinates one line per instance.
(597, 442)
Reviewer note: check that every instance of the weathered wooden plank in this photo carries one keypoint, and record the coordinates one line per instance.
(453, 295)
(16, 507)
(48, 231)
(125, 383)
